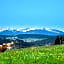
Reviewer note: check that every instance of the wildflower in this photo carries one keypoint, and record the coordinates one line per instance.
(58, 57)
(41, 53)
(51, 54)
(37, 58)
(32, 48)
(26, 55)
(21, 51)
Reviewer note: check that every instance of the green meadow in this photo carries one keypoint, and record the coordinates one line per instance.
(53, 54)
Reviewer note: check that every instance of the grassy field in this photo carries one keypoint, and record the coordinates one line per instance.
(34, 55)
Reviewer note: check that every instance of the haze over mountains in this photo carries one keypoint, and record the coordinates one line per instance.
(44, 31)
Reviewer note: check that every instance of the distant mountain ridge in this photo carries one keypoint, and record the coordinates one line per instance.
(44, 31)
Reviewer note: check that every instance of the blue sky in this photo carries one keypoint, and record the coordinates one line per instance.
(32, 13)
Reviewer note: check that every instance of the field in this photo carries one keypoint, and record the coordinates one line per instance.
(34, 55)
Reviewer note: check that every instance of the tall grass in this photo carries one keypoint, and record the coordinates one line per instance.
(34, 55)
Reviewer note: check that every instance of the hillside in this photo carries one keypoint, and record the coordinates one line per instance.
(34, 55)
(28, 40)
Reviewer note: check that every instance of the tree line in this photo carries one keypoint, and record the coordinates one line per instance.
(59, 40)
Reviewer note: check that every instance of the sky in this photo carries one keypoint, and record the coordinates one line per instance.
(32, 13)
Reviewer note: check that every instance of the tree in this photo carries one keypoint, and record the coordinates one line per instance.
(61, 38)
(57, 41)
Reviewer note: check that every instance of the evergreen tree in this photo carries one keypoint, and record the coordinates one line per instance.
(57, 41)
(61, 39)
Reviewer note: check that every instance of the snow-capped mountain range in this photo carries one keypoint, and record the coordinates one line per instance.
(44, 31)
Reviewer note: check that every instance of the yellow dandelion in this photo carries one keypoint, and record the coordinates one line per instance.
(37, 58)
(58, 57)
(26, 55)
(51, 54)
(41, 53)
(21, 51)
(32, 48)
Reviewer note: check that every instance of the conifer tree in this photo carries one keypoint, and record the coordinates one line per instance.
(57, 41)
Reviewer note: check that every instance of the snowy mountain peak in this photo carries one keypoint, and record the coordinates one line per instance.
(28, 29)
(45, 31)
(48, 29)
